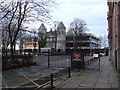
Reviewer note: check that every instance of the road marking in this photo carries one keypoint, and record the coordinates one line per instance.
(10, 87)
(40, 86)
(55, 80)
(26, 86)
(5, 82)
(30, 79)
(46, 84)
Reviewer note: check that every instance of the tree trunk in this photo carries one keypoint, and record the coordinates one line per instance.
(6, 51)
(11, 49)
(20, 43)
(14, 47)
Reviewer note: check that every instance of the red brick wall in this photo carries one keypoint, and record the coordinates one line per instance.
(110, 18)
(119, 24)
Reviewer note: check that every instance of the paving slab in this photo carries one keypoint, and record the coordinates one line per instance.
(103, 85)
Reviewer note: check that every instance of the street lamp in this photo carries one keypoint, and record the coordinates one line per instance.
(34, 41)
(55, 38)
(83, 59)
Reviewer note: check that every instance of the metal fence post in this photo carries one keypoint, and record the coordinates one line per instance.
(69, 72)
(83, 60)
(71, 59)
(78, 66)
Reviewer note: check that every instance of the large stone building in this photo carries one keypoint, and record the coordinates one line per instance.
(55, 39)
(61, 37)
(114, 32)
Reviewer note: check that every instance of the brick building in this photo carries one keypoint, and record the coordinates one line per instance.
(114, 32)
(0, 36)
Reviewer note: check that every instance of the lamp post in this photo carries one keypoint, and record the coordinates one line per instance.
(83, 59)
(55, 38)
(91, 46)
(99, 55)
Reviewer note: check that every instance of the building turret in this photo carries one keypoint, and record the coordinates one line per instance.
(61, 37)
(42, 28)
(61, 26)
(41, 31)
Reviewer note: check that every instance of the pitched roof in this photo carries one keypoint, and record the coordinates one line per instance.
(50, 33)
(60, 26)
(42, 28)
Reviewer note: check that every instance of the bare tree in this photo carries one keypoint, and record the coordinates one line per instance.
(76, 29)
(5, 40)
(21, 12)
(22, 33)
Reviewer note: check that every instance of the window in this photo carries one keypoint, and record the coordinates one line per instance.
(58, 33)
(62, 32)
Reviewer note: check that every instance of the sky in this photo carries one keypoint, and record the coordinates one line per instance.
(93, 12)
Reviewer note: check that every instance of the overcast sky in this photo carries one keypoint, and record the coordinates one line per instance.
(93, 12)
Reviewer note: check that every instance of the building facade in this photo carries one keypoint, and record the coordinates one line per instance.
(55, 39)
(114, 32)
(61, 37)
(42, 32)
(51, 39)
(89, 42)
(30, 44)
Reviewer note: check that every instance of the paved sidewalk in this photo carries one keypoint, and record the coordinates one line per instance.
(106, 77)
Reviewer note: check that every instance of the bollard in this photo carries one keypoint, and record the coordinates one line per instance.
(51, 76)
(71, 59)
(69, 73)
(48, 59)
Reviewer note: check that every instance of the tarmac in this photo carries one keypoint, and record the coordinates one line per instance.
(106, 77)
